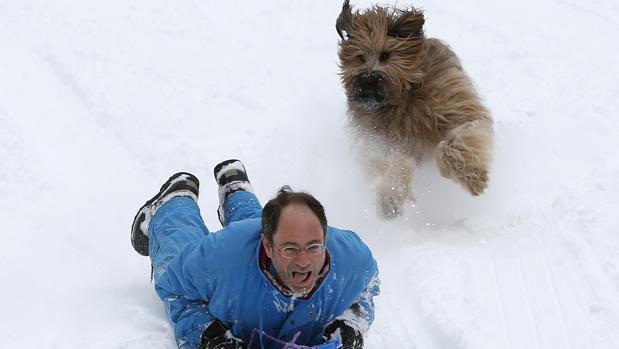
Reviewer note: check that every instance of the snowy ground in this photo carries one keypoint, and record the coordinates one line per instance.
(100, 101)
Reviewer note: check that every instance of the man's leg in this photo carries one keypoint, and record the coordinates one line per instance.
(241, 205)
(172, 228)
(236, 197)
(169, 221)
(180, 184)
(176, 225)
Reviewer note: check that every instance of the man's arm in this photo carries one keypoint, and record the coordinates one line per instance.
(189, 317)
(350, 327)
(361, 313)
(185, 286)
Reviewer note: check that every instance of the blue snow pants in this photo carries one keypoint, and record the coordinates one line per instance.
(178, 222)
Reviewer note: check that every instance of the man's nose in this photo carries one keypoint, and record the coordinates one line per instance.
(302, 259)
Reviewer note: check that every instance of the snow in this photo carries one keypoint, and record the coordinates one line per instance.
(100, 101)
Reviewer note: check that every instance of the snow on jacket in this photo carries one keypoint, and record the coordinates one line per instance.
(203, 276)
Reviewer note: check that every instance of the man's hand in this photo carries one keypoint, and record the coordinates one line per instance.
(217, 336)
(224, 343)
(351, 338)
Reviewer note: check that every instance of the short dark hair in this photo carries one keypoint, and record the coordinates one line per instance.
(285, 196)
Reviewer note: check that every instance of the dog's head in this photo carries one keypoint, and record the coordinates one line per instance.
(381, 54)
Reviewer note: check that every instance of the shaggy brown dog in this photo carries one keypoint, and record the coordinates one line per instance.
(408, 96)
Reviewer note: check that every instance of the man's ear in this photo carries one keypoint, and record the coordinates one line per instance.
(267, 246)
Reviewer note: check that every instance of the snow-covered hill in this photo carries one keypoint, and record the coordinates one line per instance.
(100, 101)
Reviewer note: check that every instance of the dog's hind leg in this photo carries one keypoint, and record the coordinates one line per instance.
(465, 154)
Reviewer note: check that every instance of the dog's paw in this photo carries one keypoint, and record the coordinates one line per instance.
(475, 180)
(390, 202)
(458, 162)
(389, 208)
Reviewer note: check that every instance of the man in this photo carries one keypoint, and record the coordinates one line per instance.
(271, 277)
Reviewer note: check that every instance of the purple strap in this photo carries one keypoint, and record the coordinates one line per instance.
(285, 345)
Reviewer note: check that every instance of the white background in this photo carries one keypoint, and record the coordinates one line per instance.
(100, 101)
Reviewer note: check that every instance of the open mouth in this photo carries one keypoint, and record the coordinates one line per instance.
(300, 278)
(367, 101)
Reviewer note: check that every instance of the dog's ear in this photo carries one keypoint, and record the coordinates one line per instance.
(407, 23)
(344, 21)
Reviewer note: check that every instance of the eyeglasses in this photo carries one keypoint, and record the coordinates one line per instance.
(293, 252)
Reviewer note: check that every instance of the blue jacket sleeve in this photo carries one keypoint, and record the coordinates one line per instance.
(361, 313)
(361, 268)
(185, 291)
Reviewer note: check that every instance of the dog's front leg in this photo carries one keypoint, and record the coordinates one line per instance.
(394, 188)
(465, 153)
(392, 172)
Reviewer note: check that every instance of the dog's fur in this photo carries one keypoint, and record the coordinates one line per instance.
(409, 96)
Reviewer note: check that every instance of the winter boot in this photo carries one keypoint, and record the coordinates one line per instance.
(180, 184)
(231, 177)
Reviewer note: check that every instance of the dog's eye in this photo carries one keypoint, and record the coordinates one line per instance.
(360, 58)
(383, 56)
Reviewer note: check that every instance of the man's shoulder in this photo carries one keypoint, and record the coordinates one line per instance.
(346, 246)
(346, 237)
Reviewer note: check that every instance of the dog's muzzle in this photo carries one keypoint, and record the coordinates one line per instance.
(369, 92)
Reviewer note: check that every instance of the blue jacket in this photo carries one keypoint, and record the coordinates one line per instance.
(217, 275)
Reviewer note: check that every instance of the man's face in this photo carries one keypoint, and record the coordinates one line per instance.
(298, 227)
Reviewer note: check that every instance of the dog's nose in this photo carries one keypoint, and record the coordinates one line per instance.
(369, 84)
(370, 87)
(370, 81)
